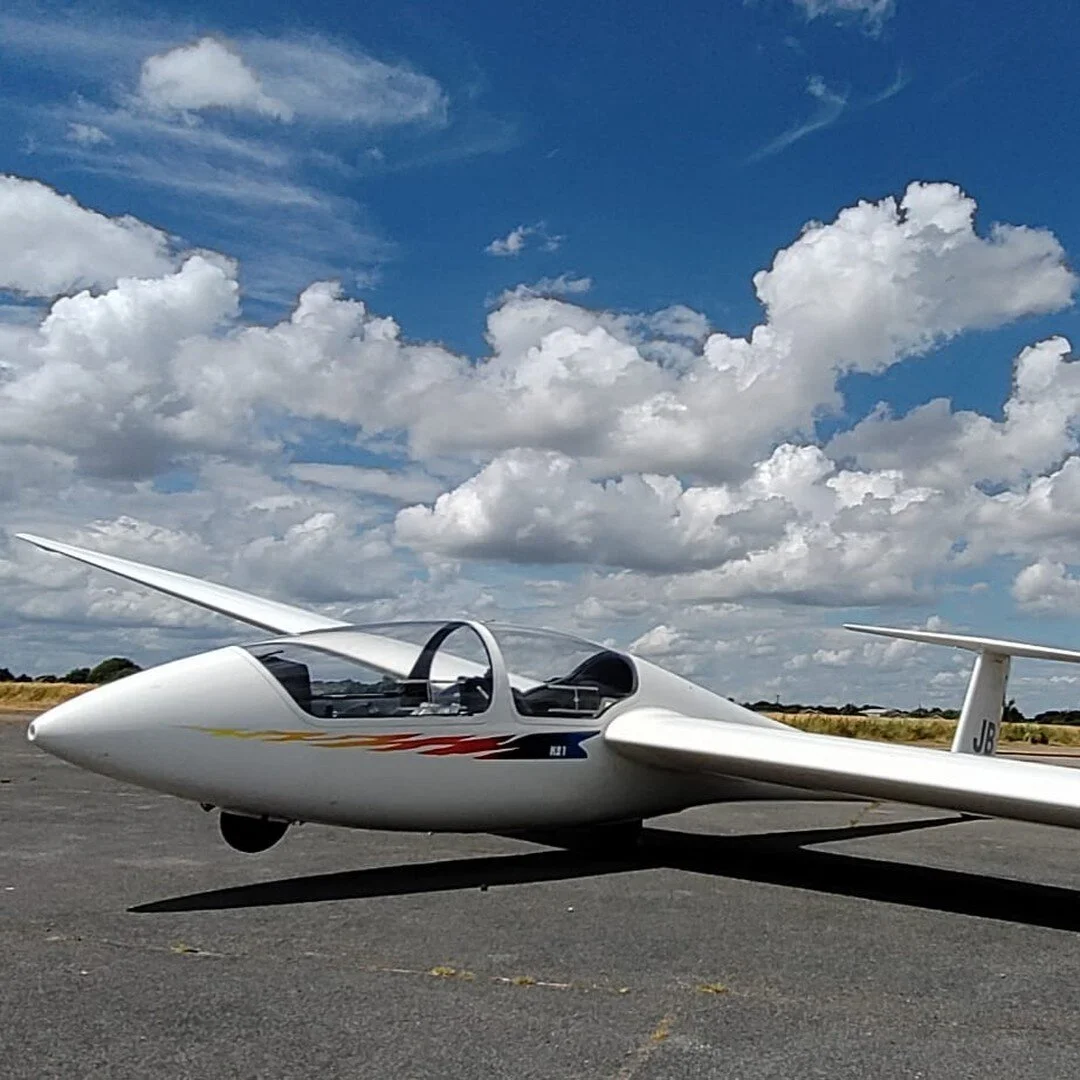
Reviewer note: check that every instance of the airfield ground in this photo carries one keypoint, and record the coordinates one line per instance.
(749, 942)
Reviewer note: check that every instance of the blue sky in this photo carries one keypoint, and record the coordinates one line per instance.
(634, 136)
(646, 161)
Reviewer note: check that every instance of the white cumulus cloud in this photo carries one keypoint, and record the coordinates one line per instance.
(1046, 587)
(53, 245)
(513, 243)
(677, 464)
(882, 282)
(936, 445)
(207, 74)
(518, 238)
(797, 528)
(97, 381)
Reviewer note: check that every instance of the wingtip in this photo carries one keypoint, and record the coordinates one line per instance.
(30, 538)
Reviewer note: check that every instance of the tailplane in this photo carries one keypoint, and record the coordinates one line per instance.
(980, 718)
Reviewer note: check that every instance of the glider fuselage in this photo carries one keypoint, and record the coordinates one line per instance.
(223, 728)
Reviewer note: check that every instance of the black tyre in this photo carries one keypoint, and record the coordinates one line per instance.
(249, 834)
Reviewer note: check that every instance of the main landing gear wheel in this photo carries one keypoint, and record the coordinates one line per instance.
(250, 834)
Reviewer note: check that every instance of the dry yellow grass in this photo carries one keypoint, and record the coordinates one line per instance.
(31, 697)
(34, 697)
(929, 731)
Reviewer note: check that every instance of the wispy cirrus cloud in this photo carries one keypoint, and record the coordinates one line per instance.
(195, 127)
(206, 98)
(110, 47)
(286, 79)
(226, 128)
(900, 82)
(164, 63)
(563, 285)
(870, 13)
(324, 82)
(86, 134)
(830, 107)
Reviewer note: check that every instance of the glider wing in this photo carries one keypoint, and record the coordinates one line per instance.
(268, 614)
(384, 653)
(1024, 791)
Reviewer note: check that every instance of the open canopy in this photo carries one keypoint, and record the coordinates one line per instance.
(446, 668)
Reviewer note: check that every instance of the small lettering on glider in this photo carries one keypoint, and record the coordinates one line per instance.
(986, 740)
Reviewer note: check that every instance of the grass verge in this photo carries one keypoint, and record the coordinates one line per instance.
(30, 696)
(929, 731)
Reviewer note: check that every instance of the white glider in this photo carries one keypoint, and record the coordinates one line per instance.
(463, 726)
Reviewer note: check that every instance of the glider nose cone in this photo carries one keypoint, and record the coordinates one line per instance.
(152, 728)
(117, 728)
(84, 729)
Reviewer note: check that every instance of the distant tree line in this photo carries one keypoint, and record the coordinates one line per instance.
(1011, 715)
(116, 667)
(851, 709)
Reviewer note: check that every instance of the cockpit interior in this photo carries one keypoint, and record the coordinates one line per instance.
(593, 686)
(445, 669)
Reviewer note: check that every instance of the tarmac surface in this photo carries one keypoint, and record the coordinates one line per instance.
(780, 941)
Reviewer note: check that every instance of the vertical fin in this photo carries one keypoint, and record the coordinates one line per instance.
(980, 718)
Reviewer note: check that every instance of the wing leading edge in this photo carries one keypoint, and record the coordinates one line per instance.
(267, 614)
(1024, 791)
(383, 653)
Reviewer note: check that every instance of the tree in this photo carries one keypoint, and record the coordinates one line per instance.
(1011, 714)
(116, 667)
(77, 675)
(5, 675)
